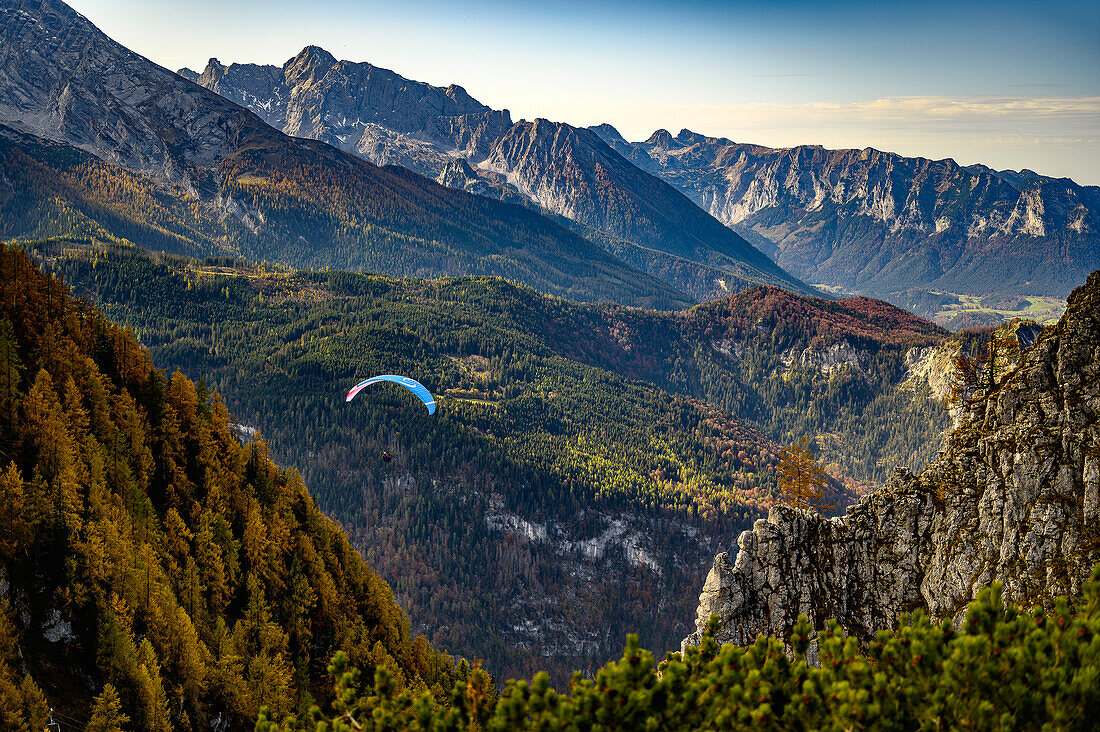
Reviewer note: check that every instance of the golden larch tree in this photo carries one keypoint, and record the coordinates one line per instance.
(801, 480)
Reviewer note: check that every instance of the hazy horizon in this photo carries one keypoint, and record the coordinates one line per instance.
(1008, 85)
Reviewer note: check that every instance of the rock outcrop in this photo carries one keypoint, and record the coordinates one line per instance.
(1014, 497)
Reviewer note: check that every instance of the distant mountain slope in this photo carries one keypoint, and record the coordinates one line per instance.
(64, 80)
(229, 183)
(878, 222)
(143, 546)
(385, 118)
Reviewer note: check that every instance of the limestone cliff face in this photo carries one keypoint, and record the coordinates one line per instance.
(935, 365)
(1014, 497)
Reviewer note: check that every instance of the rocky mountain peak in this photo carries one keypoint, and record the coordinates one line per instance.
(311, 64)
(457, 174)
(608, 133)
(64, 80)
(213, 73)
(687, 137)
(462, 98)
(661, 139)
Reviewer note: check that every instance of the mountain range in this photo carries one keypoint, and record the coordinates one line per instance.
(877, 222)
(446, 134)
(856, 220)
(221, 181)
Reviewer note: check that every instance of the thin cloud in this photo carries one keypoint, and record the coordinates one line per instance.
(1041, 116)
(780, 76)
(1054, 135)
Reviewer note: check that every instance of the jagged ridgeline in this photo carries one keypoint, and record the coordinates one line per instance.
(144, 547)
(882, 223)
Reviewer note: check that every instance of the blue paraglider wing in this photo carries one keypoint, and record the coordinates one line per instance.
(411, 384)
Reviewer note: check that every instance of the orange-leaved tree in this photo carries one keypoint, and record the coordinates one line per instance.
(801, 480)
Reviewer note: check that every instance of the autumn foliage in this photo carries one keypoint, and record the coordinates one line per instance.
(802, 481)
(985, 357)
(153, 568)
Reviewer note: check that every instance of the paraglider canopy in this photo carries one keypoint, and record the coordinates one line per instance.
(411, 384)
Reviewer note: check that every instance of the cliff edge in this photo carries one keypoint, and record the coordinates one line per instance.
(1014, 497)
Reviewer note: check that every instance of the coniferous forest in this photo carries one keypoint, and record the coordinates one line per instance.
(333, 399)
(153, 550)
(561, 426)
(198, 584)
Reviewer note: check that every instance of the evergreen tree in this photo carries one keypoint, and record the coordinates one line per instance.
(107, 715)
(132, 515)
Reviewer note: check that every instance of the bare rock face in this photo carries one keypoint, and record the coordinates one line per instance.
(1014, 497)
(361, 108)
(63, 80)
(458, 174)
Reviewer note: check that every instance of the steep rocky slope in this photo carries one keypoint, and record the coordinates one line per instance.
(361, 108)
(63, 80)
(877, 222)
(387, 119)
(215, 179)
(1015, 497)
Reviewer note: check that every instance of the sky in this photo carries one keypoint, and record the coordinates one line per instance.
(1007, 84)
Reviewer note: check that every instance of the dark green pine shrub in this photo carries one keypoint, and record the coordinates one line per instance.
(1006, 669)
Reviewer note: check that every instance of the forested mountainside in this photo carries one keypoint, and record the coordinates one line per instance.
(1014, 498)
(156, 573)
(556, 466)
(178, 167)
(289, 217)
(380, 116)
(144, 547)
(880, 223)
